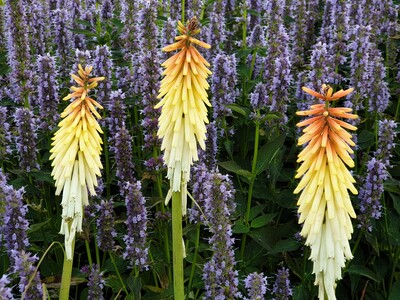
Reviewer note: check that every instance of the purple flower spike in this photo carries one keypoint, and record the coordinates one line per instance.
(102, 66)
(95, 282)
(5, 136)
(256, 285)
(63, 39)
(26, 139)
(105, 225)
(136, 251)
(282, 289)
(5, 292)
(386, 136)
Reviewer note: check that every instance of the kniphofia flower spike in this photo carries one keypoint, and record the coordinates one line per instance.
(184, 112)
(76, 154)
(324, 204)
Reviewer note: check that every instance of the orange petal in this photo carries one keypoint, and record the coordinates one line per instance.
(313, 93)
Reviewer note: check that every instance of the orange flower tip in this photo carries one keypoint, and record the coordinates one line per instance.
(313, 93)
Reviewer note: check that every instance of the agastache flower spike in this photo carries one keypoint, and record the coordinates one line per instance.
(76, 154)
(184, 100)
(324, 204)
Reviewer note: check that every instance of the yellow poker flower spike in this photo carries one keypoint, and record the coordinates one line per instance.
(184, 99)
(324, 204)
(76, 154)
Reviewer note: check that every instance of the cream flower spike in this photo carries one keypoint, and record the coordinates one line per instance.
(184, 113)
(324, 204)
(76, 154)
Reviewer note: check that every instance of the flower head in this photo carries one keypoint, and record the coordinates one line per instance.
(184, 100)
(324, 204)
(76, 154)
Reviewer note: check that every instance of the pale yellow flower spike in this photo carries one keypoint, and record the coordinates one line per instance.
(184, 100)
(324, 203)
(76, 153)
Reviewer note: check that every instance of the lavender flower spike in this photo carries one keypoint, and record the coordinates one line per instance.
(105, 225)
(95, 282)
(102, 66)
(5, 292)
(26, 139)
(256, 285)
(386, 136)
(282, 289)
(5, 137)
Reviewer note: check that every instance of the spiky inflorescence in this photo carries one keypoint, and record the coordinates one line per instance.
(281, 289)
(47, 91)
(107, 10)
(38, 20)
(95, 282)
(136, 251)
(256, 285)
(103, 66)
(223, 85)
(14, 223)
(386, 136)
(18, 55)
(105, 225)
(26, 139)
(62, 38)
(5, 136)
(220, 278)
(76, 154)
(184, 100)
(324, 205)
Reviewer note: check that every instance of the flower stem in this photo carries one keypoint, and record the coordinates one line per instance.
(66, 275)
(177, 245)
(183, 11)
(118, 274)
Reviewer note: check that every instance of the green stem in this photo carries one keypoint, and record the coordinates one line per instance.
(66, 275)
(89, 255)
(183, 11)
(397, 109)
(194, 259)
(177, 245)
(394, 266)
(117, 271)
(252, 180)
(244, 32)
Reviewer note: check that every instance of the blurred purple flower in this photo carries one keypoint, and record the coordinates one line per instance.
(116, 113)
(103, 66)
(38, 20)
(175, 9)
(105, 225)
(209, 155)
(18, 55)
(193, 8)
(136, 251)
(107, 10)
(220, 278)
(168, 34)
(282, 289)
(298, 33)
(259, 98)
(63, 39)
(216, 32)
(95, 282)
(256, 285)
(24, 267)
(5, 292)
(26, 139)
(386, 137)
(5, 136)
(47, 91)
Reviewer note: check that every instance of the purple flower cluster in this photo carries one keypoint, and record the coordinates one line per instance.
(209, 155)
(95, 282)
(26, 139)
(5, 137)
(193, 8)
(38, 20)
(370, 193)
(298, 32)
(103, 66)
(282, 289)
(223, 85)
(259, 97)
(105, 225)
(175, 9)
(107, 10)
(19, 58)
(5, 292)
(14, 223)
(256, 40)
(220, 278)
(216, 31)
(168, 33)
(62, 38)
(47, 91)
(24, 267)
(386, 135)
(136, 250)
(256, 285)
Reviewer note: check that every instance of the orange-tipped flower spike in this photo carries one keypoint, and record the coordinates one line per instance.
(324, 204)
(76, 154)
(184, 113)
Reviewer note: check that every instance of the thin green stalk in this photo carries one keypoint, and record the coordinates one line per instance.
(194, 260)
(252, 180)
(117, 271)
(183, 11)
(397, 109)
(394, 267)
(244, 31)
(177, 245)
(89, 254)
(66, 275)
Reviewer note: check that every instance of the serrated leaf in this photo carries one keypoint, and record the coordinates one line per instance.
(233, 167)
(268, 152)
(362, 271)
(262, 220)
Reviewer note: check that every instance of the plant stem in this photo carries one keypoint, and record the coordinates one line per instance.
(177, 245)
(183, 11)
(66, 275)
(194, 259)
(117, 271)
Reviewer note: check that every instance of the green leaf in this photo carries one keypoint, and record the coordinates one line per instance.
(240, 227)
(268, 152)
(262, 220)
(233, 167)
(239, 109)
(365, 139)
(37, 226)
(256, 210)
(396, 202)
(395, 292)
(285, 246)
(362, 271)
